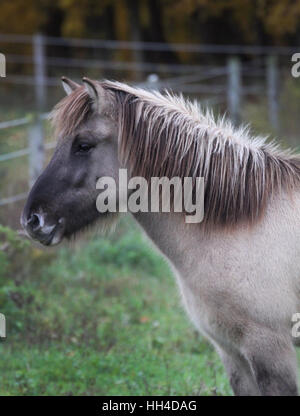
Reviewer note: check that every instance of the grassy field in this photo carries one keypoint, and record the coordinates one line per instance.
(102, 317)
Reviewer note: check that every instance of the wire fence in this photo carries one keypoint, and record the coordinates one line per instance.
(215, 83)
(34, 165)
(154, 46)
(42, 61)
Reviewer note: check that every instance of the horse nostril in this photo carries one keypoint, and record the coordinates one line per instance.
(34, 222)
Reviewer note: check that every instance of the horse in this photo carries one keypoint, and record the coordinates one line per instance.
(238, 270)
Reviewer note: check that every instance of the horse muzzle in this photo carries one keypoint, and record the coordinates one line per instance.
(39, 228)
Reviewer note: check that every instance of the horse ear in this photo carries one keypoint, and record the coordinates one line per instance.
(96, 93)
(69, 85)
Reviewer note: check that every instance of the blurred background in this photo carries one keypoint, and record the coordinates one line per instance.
(103, 316)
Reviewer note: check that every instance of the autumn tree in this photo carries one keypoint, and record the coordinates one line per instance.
(204, 21)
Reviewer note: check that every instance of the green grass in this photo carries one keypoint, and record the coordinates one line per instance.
(102, 318)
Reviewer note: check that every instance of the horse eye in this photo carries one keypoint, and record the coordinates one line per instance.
(83, 148)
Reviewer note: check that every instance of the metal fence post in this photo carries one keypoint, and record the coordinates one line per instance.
(36, 149)
(273, 91)
(234, 88)
(152, 81)
(36, 131)
(39, 60)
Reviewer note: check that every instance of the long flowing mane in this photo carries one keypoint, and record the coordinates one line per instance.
(166, 135)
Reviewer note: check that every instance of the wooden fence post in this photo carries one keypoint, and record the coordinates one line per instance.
(36, 131)
(273, 91)
(234, 88)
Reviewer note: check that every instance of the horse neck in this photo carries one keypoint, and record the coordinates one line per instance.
(173, 237)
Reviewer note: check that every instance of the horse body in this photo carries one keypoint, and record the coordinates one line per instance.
(240, 289)
(239, 270)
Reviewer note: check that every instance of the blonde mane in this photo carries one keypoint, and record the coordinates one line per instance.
(166, 135)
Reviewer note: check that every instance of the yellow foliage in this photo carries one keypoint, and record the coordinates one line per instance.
(18, 16)
(276, 18)
(279, 17)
